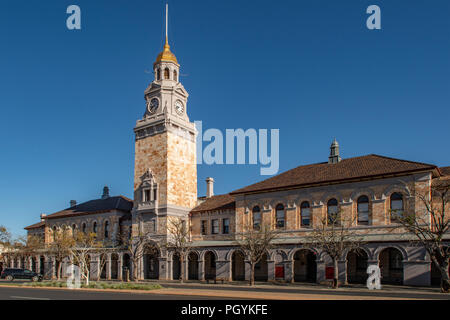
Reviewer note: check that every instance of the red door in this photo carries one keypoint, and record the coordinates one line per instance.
(279, 272)
(329, 273)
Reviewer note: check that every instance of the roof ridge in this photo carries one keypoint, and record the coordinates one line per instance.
(409, 161)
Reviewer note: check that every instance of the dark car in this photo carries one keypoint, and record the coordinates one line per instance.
(10, 274)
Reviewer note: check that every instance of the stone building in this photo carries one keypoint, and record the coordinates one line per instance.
(367, 188)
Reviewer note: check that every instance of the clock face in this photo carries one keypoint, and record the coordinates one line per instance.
(179, 107)
(153, 105)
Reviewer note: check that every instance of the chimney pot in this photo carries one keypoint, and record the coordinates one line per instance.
(105, 193)
(43, 215)
(73, 203)
(209, 187)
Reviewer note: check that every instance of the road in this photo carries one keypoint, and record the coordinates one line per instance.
(54, 294)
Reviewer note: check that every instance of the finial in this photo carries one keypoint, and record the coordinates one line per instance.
(167, 24)
(334, 153)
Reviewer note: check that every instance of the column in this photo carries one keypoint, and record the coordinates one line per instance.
(38, 264)
(320, 276)
(230, 269)
(201, 270)
(416, 273)
(222, 269)
(289, 271)
(120, 267)
(108, 266)
(248, 270)
(53, 267)
(342, 275)
(270, 270)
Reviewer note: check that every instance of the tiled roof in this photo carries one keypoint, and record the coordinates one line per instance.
(35, 226)
(370, 166)
(445, 171)
(219, 202)
(119, 203)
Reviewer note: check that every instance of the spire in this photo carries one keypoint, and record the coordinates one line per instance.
(166, 54)
(167, 24)
(334, 153)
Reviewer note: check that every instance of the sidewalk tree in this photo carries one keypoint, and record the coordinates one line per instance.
(80, 252)
(137, 246)
(432, 228)
(104, 249)
(255, 243)
(333, 235)
(59, 247)
(5, 245)
(178, 241)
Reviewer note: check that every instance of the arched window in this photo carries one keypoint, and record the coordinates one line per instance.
(175, 75)
(54, 233)
(332, 211)
(256, 213)
(106, 229)
(363, 210)
(396, 206)
(83, 227)
(158, 74)
(166, 73)
(280, 216)
(74, 228)
(305, 214)
(94, 227)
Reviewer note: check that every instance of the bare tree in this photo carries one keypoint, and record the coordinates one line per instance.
(5, 245)
(178, 241)
(81, 250)
(334, 236)
(137, 246)
(60, 246)
(29, 246)
(255, 243)
(431, 229)
(5, 235)
(104, 249)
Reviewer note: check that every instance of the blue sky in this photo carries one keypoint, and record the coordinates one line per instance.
(69, 99)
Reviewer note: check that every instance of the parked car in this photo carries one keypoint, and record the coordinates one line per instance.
(10, 274)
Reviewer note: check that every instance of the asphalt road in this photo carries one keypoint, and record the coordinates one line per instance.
(49, 294)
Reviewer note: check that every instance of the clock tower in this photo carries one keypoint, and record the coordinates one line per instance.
(165, 172)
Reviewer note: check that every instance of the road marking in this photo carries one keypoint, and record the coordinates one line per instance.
(28, 298)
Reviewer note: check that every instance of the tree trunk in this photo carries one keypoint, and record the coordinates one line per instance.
(182, 268)
(336, 273)
(445, 282)
(135, 278)
(58, 270)
(252, 274)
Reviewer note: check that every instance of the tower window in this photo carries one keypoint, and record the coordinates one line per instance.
(396, 206)
(155, 193)
(158, 74)
(175, 75)
(256, 218)
(146, 195)
(226, 226)
(166, 73)
(215, 226)
(106, 229)
(280, 218)
(363, 210)
(305, 213)
(204, 227)
(332, 211)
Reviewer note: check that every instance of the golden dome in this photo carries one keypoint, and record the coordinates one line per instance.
(166, 54)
